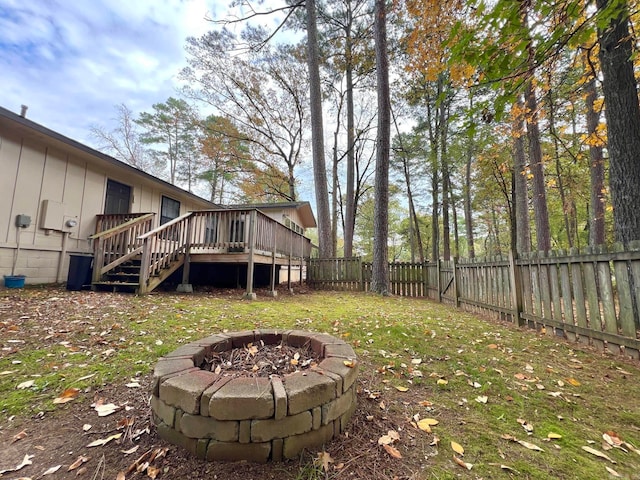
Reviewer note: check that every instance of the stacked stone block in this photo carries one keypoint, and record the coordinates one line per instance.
(221, 417)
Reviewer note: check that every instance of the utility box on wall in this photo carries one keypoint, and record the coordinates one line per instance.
(23, 221)
(52, 217)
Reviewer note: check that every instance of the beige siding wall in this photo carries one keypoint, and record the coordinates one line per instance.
(34, 171)
(279, 215)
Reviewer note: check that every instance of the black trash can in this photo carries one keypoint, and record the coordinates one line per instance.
(80, 269)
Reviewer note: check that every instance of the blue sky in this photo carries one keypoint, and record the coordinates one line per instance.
(70, 62)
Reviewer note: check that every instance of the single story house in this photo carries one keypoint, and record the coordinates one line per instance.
(62, 199)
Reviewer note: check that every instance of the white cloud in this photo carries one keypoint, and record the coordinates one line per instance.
(71, 62)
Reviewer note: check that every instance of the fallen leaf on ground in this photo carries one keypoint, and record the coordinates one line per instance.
(104, 441)
(426, 423)
(121, 476)
(132, 385)
(526, 425)
(25, 461)
(324, 459)
(349, 363)
(52, 470)
(530, 446)
(402, 389)
(598, 453)
(553, 436)
(574, 382)
(613, 472)
(106, 409)
(462, 463)
(152, 472)
(394, 452)
(25, 385)
(612, 439)
(79, 461)
(459, 449)
(435, 442)
(86, 427)
(389, 438)
(19, 436)
(482, 399)
(66, 396)
(442, 381)
(131, 450)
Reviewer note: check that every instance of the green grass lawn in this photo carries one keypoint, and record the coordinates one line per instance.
(521, 404)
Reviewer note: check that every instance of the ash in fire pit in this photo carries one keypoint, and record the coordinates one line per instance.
(255, 395)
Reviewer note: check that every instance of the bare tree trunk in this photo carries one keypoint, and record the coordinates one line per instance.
(520, 228)
(334, 190)
(380, 274)
(350, 202)
(454, 214)
(596, 168)
(317, 135)
(623, 122)
(543, 230)
(468, 220)
(435, 218)
(446, 228)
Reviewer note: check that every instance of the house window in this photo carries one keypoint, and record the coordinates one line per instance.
(118, 198)
(169, 210)
(293, 226)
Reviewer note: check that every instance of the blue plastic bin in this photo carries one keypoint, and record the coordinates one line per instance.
(14, 281)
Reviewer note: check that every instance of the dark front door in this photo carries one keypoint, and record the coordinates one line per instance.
(118, 198)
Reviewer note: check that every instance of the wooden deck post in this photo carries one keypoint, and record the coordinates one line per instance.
(145, 263)
(289, 262)
(273, 292)
(185, 286)
(249, 294)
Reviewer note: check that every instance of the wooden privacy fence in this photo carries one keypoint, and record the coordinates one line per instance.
(590, 297)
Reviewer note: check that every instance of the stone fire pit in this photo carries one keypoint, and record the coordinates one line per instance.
(222, 415)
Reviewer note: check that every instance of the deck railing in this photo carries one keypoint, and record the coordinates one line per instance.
(119, 243)
(227, 231)
(166, 247)
(111, 220)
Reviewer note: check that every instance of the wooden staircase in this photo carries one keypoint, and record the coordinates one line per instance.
(126, 276)
(123, 278)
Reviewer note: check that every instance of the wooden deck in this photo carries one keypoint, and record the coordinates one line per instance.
(231, 236)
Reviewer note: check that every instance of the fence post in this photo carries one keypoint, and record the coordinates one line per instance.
(438, 281)
(360, 273)
(516, 289)
(454, 266)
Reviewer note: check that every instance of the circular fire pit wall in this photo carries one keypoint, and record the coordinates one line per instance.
(239, 417)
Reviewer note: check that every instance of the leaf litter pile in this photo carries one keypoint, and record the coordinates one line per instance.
(441, 393)
(262, 360)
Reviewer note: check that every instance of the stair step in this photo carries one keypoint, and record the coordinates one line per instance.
(117, 284)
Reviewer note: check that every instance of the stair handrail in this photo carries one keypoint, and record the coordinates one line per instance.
(118, 244)
(162, 246)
